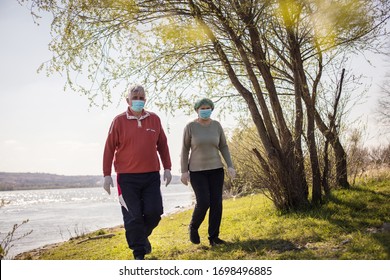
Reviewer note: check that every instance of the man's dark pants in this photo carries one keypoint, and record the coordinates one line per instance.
(142, 195)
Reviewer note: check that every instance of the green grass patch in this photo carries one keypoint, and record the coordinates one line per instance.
(348, 226)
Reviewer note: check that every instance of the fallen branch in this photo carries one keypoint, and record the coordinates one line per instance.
(97, 237)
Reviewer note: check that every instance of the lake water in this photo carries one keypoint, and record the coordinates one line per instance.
(56, 215)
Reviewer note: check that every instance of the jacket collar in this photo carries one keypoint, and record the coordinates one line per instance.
(130, 116)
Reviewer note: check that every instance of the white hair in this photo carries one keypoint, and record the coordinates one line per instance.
(136, 89)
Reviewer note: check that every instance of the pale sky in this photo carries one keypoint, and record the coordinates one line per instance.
(44, 129)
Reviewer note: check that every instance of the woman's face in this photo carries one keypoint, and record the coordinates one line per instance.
(204, 112)
(204, 107)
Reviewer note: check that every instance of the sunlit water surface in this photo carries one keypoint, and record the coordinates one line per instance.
(56, 215)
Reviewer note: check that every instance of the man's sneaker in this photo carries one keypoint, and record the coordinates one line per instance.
(216, 241)
(148, 247)
(194, 235)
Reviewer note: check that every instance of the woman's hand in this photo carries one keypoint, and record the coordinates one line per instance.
(185, 178)
(232, 172)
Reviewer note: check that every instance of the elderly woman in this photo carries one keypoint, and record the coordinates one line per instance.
(203, 142)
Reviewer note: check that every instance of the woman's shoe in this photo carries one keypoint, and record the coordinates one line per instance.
(194, 235)
(216, 241)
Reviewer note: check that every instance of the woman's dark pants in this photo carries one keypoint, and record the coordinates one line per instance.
(208, 187)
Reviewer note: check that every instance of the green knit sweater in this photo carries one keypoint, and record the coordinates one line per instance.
(202, 145)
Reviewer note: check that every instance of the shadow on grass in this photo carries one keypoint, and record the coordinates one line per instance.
(367, 206)
(256, 245)
(252, 248)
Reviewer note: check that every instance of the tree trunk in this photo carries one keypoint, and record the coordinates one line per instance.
(341, 164)
(325, 174)
(341, 156)
(302, 90)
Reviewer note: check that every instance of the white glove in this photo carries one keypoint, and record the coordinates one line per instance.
(107, 183)
(185, 177)
(167, 176)
(232, 172)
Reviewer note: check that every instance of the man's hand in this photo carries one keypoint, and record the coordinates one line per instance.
(185, 177)
(167, 176)
(107, 183)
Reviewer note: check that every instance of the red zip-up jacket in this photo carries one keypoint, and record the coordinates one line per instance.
(133, 144)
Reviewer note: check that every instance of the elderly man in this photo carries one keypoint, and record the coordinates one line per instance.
(134, 141)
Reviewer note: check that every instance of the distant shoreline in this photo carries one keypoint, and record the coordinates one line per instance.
(14, 181)
(44, 188)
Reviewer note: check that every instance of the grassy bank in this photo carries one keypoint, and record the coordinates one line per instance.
(351, 225)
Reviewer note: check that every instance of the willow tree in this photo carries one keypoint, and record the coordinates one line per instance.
(269, 55)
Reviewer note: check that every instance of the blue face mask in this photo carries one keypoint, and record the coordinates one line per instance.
(137, 105)
(204, 114)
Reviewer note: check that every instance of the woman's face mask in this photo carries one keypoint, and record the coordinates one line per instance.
(204, 114)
